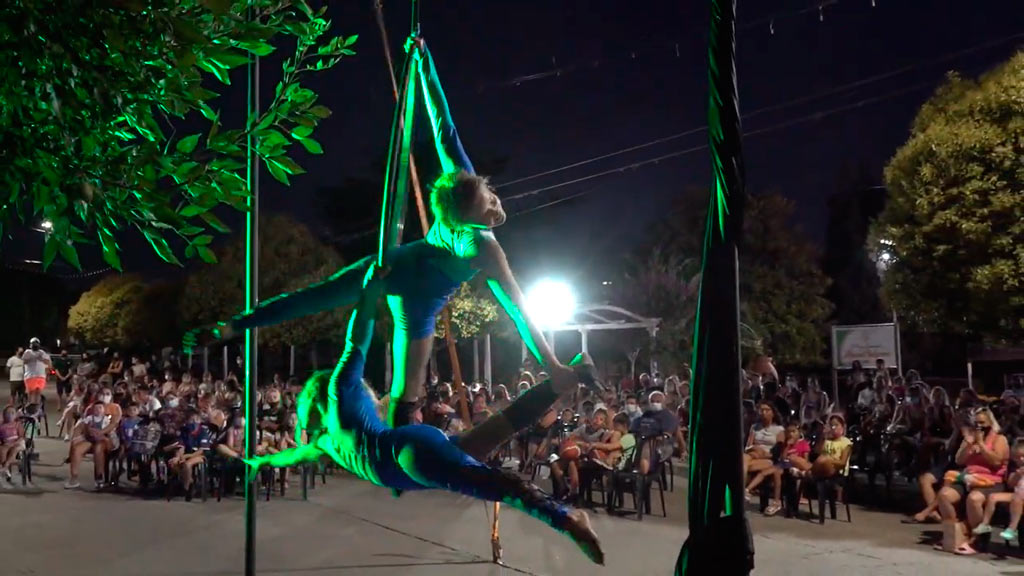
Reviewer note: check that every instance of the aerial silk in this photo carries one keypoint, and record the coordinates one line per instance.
(719, 540)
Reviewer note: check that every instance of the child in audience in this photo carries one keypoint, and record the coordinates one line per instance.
(612, 452)
(90, 428)
(1014, 481)
(12, 443)
(190, 451)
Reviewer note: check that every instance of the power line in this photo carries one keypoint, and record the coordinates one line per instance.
(677, 153)
(851, 86)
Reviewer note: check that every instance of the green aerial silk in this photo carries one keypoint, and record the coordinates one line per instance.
(719, 540)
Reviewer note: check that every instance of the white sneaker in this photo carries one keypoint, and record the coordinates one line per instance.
(72, 485)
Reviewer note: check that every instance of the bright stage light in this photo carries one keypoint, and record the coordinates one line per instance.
(550, 303)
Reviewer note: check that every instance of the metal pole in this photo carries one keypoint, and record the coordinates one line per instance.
(583, 342)
(476, 360)
(252, 274)
(720, 540)
(291, 360)
(487, 360)
(224, 374)
(206, 359)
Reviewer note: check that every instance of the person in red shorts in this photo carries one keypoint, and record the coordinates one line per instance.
(37, 363)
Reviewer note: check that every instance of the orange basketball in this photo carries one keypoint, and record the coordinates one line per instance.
(569, 450)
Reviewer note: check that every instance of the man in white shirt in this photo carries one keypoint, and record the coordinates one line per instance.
(36, 363)
(16, 375)
(866, 398)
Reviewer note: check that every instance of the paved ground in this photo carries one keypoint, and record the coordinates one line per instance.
(349, 527)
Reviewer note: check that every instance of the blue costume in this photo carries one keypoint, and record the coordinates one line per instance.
(416, 457)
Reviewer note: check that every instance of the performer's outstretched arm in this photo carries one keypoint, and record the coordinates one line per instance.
(506, 290)
(446, 137)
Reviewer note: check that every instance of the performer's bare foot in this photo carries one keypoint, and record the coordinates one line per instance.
(578, 528)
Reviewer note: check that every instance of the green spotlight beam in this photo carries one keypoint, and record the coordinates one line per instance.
(719, 540)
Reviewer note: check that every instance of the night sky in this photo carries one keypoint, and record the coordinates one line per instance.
(632, 73)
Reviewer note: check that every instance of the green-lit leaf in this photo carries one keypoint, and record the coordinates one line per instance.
(190, 251)
(214, 222)
(288, 165)
(160, 246)
(50, 249)
(312, 146)
(109, 249)
(277, 172)
(271, 139)
(70, 254)
(320, 111)
(206, 254)
(187, 144)
(213, 68)
(202, 240)
(301, 132)
(190, 230)
(350, 40)
(191, 210)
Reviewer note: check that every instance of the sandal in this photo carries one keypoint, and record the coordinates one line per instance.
(772, 510)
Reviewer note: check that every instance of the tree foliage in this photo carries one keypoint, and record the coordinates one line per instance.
(661, 285)
(93, 95)
(472, 312)
(290, 258)
(782, 288)
(117, 312)
(954, 223)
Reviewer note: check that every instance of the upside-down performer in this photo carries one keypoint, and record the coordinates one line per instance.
(344, 425)
(425, 273)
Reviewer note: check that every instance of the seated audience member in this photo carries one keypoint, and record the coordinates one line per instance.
(88, 433)
(610, 453)
(793, 457)
(632, 408)
(594, 431)
(984, 454)
(12, 443)
(834, 450)
(73, 409)
(763, 436)
(1014, 494)
(189, 451)
(480, 411)
(656, 421)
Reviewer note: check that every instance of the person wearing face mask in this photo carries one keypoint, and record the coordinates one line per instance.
(632, 408)
(88, 437)
(656, 421)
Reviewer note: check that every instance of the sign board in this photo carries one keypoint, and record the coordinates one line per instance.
(865, 343)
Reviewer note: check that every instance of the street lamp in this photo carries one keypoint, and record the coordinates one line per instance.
(550, 303)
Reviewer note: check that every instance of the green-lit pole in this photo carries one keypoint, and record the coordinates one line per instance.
(720, 541)
(252, 274)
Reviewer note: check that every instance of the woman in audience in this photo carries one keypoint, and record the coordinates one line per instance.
(595, 431)
(73, 409)
(12, 443)
(983, 454)
(763, 436)
(1014, 495)
(480, 411)
(815, 399)
(100, 440)
(793, 457)
(939, 427)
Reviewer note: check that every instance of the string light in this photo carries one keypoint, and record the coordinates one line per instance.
(821, 12)
(771, 27)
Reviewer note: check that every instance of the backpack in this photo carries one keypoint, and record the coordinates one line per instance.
(145, 440)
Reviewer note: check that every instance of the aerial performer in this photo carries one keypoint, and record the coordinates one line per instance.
(424, 274)
(343, 423)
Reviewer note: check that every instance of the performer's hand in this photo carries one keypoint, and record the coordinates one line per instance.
(205, 335)
(414, 41)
